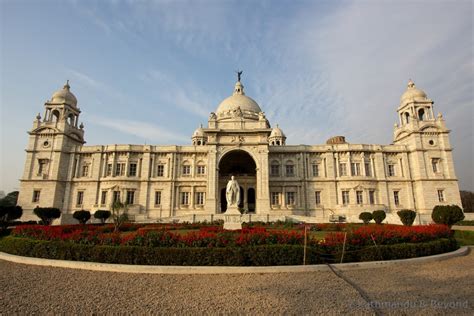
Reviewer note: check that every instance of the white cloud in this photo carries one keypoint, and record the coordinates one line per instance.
(141, 129)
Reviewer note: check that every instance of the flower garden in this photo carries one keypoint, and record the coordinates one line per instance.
(257, 244)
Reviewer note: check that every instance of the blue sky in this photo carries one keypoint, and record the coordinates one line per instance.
(151, 71)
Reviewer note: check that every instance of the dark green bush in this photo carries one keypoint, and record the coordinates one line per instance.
(407, 217)
(102, 215)
(447, 214)
(379, 216)
(8, 214)
(47, 214)
(230, 256)
(366, 217)
(82, 216)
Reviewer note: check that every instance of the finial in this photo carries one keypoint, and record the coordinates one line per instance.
(67, 86)
(411, 84)
(81, 126)
(239, 74)
(38, 117)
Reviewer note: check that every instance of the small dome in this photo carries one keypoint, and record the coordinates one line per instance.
(277, 132)
(64, 96)
(199, 132)
(238, 99)
(412, 93)
(336, 140)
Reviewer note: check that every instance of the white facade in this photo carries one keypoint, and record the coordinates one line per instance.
(337, 178)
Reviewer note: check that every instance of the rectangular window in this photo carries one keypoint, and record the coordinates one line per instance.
(359, 197)
(368, 173)
(355, 169)
(290, 198)
(103, 198)
(85, 170)
(342, 169)
(441, 195)
(275, 198)
(79, 198)
(42, 166)
(186, 170)
(160, 170)
(109, 170)
(435, 164)
(290, 170)
(315, 168)
(372, 197)
(201, 170)
(317, 197)
(184, 198)
(199, 198)
(132, 172)
(275, 170)
(396, 197)
(36, 196)
(116, 196)
(130, 197)
(120, 169)
(345, 197)
(391, 170)
(157, 197)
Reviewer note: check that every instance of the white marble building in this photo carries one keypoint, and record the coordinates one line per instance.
(337, 178)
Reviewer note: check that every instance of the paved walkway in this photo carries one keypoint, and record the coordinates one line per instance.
(434, 288)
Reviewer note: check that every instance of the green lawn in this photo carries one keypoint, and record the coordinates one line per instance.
(464, 237)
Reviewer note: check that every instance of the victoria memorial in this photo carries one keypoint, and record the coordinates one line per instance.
(276, 180)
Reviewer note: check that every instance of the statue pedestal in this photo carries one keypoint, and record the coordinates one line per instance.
(232, 218)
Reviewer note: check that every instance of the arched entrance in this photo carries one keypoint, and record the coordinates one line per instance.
(240, 164)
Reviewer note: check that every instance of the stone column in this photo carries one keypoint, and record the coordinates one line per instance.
(212, 181)
(262, 198)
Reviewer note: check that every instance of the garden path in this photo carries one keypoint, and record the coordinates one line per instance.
(432, 288)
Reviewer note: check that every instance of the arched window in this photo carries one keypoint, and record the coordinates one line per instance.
(407, 117)
(55, 116)
(70, 119)
(421, 114)
(275, 169)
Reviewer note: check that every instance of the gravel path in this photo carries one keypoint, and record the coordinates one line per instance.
(46, 290)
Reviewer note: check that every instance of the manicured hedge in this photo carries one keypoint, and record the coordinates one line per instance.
(228, 256)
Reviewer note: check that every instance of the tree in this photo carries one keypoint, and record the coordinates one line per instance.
(102, 215)
(447, 214)
(366, 217)
(8, 214)
(379, 216)
(47, 214)
(407, 217)
(10, 199)
(119, 214)
(82, 216)
(467, 200)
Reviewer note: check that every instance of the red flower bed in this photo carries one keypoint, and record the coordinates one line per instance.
(388, 234)
(215, 236)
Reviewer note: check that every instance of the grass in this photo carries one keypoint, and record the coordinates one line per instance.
(464, 237)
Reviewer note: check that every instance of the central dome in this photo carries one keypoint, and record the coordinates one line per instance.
(238, 99)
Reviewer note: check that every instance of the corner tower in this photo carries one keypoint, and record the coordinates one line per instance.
(429, 150)
(49, 162)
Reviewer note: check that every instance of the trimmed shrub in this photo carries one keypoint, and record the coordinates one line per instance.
(379, 216)
(9, 214)
(82, 216)
(47, 214)
(407, 217)
(102, 215)
(447, 214)
(366, 217)
(229, 256)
